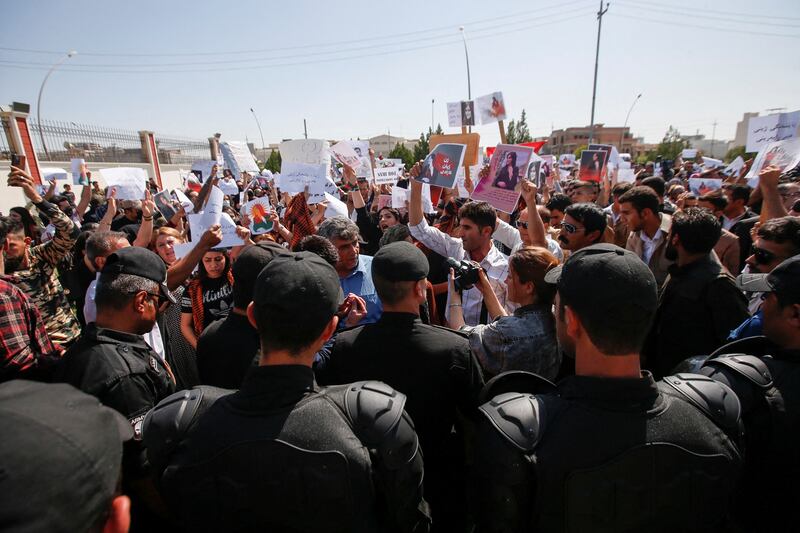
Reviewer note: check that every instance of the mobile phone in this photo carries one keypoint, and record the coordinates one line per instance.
(18, 161)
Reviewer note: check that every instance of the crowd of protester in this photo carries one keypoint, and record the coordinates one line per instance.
(610, 356)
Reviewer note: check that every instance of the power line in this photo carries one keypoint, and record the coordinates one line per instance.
(694, 9)
(262, 66)
(506, 17)
(717, 17)
(524, 22)
(712, 28)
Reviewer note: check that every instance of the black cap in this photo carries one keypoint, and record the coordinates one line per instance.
(608, 278)
(783, 280)
(298, 285)
(248, 266)
(60, 457)
(137, 261)
(400, 261)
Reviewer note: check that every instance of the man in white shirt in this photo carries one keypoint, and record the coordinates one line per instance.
(477, 220)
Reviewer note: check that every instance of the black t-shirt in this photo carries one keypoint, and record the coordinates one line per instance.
(226, 350)
(217, 299)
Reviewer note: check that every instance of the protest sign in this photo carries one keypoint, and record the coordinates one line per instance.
(78, 167)
(442, 164)
(454, 114)
(471, 140)
(330, 187)
(199, 223)
(306, 152)
(295, 177)
(129, 182)
(626, 175)
(238, 158)
(688, 153)
(536, 173)
(203, 169)
(384, 200)
(228, 186)
(214, 202)
(258, 211)
(501, 187)
(612, 155)
(701, 186)
(53, 174)
(710, 162)
(387, 175)
(345, 154)
(783, 154)
(163, 202)
(364, 168)
(386, 162)
(187, 204)
(735, 168)
(467, 113)
(400, 196)
(777, 127)
(336, 207)
(566, 160)
(592, 164)
(490, 108)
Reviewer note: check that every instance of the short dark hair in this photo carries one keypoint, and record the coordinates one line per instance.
(115, 292)
(531, 263)
(558, 201)
(781, 230)
(590, 215)
(391, 292)
(621, 188)
(697, 229)
(641, 197)
(715, 198)
(320, 246)
(739, 191)
(481, 213)
(398, 232)
(100, 243)
(655, 183)
(5, 223)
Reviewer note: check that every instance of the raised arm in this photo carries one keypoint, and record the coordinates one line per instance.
(536, 231)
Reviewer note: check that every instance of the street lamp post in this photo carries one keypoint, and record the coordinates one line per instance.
(263, 147)
(466, 55)
(432, 100)
(600, 14)
(622, 135)
(39, 100)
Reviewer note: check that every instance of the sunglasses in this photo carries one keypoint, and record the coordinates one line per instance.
(761, 255)
(569, 228)
(522, 224)
(160, 298)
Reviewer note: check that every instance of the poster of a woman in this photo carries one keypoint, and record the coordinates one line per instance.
(507, 168)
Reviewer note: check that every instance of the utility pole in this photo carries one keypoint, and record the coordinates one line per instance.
(600, 14)
(713, 137)
(305, 129)
(432, 100)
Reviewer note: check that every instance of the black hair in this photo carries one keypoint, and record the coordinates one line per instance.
(739, 191)
(621, 188)
(655, 183)
(590, 215)
(115, 292)
(5, 224)
(320, 246)
(781, 230)
(715, 198)
(641, 197)
(391, 292)
(697, 229)
(481, 213)
(559, 201)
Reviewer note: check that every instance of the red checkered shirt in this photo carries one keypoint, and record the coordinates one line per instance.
(23, 339)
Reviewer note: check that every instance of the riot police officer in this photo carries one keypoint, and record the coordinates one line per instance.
(610, 449)
(283, 454)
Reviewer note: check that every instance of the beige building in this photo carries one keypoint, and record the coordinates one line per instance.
(383, 144)
(568, 140)
(741, 130)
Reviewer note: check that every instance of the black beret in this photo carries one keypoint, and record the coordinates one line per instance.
(400, 261)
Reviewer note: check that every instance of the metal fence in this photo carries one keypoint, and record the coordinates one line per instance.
(62, 141)
(5, 150)
(181, 151)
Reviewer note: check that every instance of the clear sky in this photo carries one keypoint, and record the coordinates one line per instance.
(358, 69)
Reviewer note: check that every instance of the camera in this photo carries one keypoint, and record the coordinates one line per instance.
(465, 273)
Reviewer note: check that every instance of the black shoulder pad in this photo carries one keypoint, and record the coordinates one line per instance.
(517, 417)
(758, 345)
(749, 367)
(376, 411)
(716, 400)
(515, 381)
(167, 424)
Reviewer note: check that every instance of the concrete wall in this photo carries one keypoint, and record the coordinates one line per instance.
(171, 177)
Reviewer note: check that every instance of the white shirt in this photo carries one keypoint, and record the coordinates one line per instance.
(649, 245)
(511, 237)
(495, 264)
(727, 223)
(153, 338)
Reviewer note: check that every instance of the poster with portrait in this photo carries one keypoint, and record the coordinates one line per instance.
(783, 154)
(203, 169)
(164, 204)
(258, 211)
(566, 161)
(441, 166)
(471, 140)
(535, 174)
(364, 168)
(468, 113)
(612, 155)
(345, 154)
(500, 188)
(701, 186)
(592, 164)
(490, 108)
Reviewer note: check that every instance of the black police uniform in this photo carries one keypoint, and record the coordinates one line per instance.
(120, 369)
(282, 454)
(605, 454)
(766, 379)
(435, 368)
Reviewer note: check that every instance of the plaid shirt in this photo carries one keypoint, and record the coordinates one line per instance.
(23, 339)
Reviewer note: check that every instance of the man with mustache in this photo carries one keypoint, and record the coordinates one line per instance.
(583, 225)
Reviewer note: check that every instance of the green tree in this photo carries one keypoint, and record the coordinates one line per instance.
(273, 163)
(423, 146)
(439, 130)
(401, 152)
(671, 145)
(578, 151)
(737, 151)
(518, 131)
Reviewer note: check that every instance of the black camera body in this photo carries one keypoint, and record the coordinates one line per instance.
(465, 273)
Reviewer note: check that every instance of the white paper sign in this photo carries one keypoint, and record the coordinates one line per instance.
(305, 151)
(735, 168)
(187, 204)
(213, 205)
(401, 196)
(386, 175)
(710, 162)
(454, 114)
(626, 175)
(778, 127)
(238, 156)
(295, 177)
(490, 108)
(228, 186)
(129, 182)
(201, 222)
(53, 173)
(75, 166)
(331, 188)
(336, 208)
(688, 153)
(345, 154)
